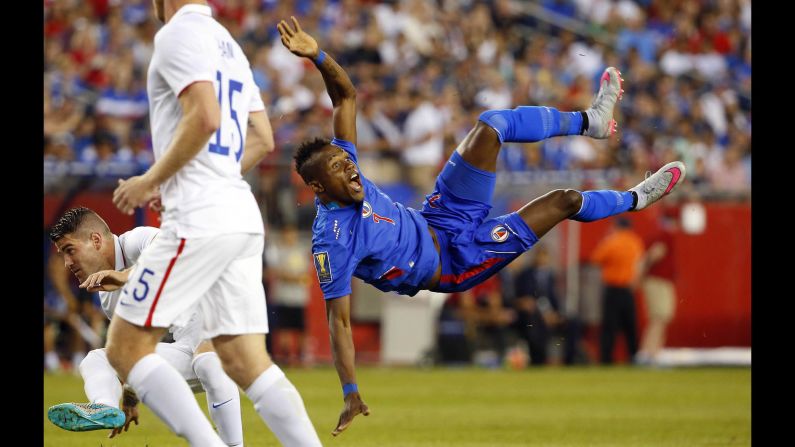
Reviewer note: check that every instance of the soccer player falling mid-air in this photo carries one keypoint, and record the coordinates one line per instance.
(447, 246)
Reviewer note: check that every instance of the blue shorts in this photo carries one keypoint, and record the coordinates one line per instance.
(471, 249)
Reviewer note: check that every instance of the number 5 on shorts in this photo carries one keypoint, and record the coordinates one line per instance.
(145, 287)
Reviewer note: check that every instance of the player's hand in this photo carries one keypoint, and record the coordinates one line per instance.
(104, 281)
(131, 414)
(134, 192)
(353, 406)
(297, 41)
(156, 204)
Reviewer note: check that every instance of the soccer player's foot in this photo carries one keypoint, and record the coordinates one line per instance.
(659, 184)
(600, 115)
(85, 417)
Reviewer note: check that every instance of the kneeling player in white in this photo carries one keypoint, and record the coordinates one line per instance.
(103, 261)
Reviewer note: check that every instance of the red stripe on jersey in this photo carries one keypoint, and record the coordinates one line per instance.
(377, 218)
(458, 279)
(163, 283)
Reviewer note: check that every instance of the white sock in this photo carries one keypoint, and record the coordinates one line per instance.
(166, 393)
(281, 407)
(100, 382)
(51, 361)
(223, 397)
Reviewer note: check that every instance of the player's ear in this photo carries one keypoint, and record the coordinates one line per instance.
(96, 240)
(317, 188)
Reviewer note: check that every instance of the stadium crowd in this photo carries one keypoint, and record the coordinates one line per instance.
(424, 71)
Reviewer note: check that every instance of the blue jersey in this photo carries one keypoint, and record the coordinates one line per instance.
(380, 241)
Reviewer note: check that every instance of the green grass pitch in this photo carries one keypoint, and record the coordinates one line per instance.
(591, 406)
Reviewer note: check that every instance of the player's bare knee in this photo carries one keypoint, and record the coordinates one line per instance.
(235, 368)
(116, 356)
(567, 200)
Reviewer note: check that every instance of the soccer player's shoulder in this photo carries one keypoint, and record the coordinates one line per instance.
(139, 235)
(332, 228)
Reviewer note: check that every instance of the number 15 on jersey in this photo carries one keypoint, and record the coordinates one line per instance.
(226, 92)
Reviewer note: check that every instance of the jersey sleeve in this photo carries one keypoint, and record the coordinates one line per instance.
(134, 241)
(348, 147)
(182, 60)
(334, 266)
(256, 104)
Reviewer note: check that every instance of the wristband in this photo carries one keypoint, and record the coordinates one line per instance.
(321, 56)
(349, 388)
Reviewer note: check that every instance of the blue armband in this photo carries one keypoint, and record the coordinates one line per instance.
(321, 56)
(348, 388)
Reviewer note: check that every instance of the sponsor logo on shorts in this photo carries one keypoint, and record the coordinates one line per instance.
(323, 267)
(499, 233)
(367, 210)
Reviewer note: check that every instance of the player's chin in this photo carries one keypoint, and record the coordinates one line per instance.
(357, 196)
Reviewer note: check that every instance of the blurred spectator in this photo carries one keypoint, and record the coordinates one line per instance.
(72, 318)
(474, 324)
(289, 279)
(619, 255)
(423, 150)
(536, 304)
(658, 286)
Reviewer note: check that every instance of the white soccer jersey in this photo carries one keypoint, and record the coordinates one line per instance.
(128, 248)
(207, 196)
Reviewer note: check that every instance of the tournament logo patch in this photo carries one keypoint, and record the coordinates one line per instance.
(323, 267)
(499, 233)
(367, 210)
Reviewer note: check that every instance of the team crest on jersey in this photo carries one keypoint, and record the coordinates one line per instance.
(367, 210)
(323, 267)
(499, 233)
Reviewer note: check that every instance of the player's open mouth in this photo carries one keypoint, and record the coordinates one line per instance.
(355, 182)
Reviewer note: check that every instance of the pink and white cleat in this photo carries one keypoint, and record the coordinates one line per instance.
(659, 184)
(600, 115)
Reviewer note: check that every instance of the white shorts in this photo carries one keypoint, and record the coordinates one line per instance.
(219, 276)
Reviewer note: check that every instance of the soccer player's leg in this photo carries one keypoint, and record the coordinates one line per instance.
(223, 397)
(235, 318)
(527, 124)
(103, 390)
(548, 210)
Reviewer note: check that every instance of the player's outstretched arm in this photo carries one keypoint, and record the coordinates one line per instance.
(106, 280)
(259, 140)
(338, 312)
(338, 84)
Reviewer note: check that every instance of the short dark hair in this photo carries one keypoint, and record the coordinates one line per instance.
(305, 152)
(70, 222)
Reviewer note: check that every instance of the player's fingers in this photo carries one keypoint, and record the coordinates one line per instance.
(297, 26)
(365, 410)
(341, 428)
(287, 29)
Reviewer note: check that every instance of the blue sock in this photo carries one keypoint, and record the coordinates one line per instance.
(528, 124)
(604, 203)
